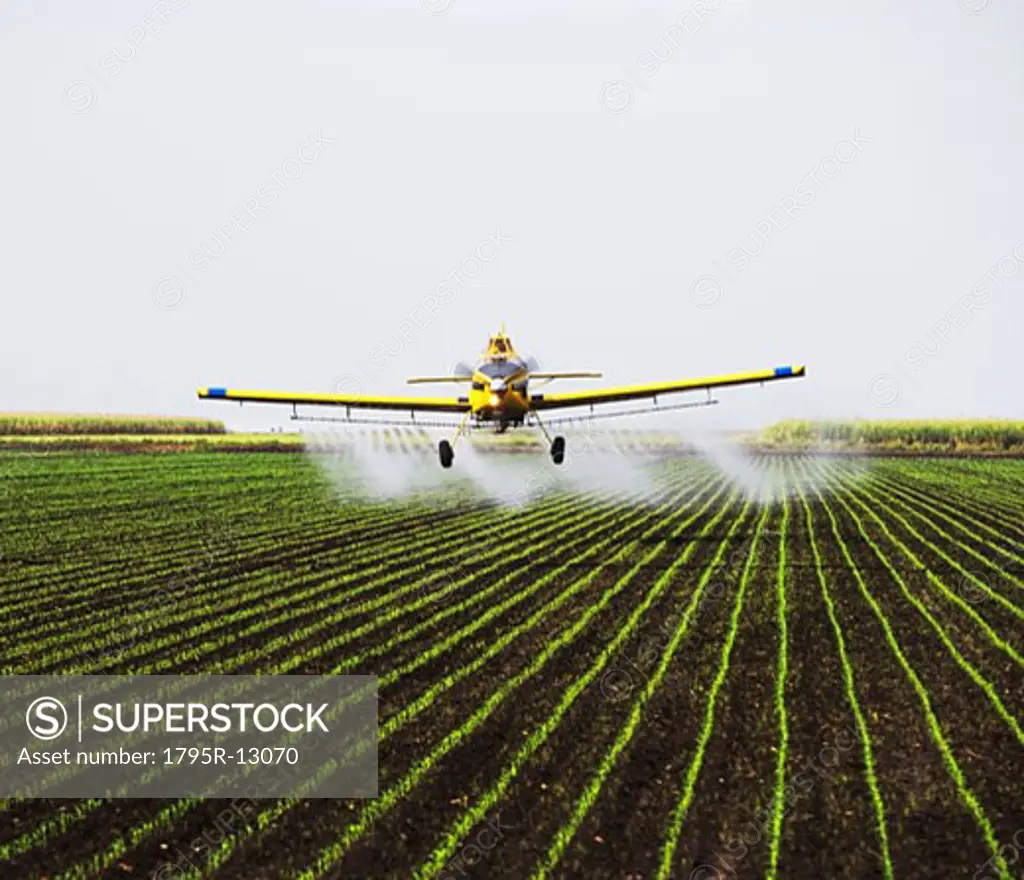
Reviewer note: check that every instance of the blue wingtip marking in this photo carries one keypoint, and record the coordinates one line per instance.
(783, 371)
(217, 392)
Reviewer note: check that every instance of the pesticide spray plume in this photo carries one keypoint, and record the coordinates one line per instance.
(370, 463)
(400, 463)
(762, 480)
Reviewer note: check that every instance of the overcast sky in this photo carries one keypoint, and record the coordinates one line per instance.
(342, 195)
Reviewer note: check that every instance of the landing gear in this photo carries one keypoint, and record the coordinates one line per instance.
(558, 450)
(557, 444)
(444, 449)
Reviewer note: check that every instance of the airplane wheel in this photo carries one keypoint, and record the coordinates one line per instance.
(446, 452)
(558, 450)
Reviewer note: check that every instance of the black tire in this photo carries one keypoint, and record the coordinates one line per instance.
(558, 450)
(447, 454)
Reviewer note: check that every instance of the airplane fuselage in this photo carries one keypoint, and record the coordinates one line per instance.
(500, 391)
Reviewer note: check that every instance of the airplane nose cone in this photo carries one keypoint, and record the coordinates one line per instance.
(497, 384)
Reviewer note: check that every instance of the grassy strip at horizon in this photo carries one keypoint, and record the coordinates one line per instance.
(973, 435)
(34, 424)
(155, 442)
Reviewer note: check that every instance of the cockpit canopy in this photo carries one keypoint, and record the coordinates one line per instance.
(500, 370)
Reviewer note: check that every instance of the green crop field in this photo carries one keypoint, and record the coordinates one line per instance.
(710, 681)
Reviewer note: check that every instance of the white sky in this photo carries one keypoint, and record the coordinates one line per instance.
(448, 127)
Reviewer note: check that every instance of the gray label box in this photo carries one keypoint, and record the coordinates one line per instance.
(188, 736)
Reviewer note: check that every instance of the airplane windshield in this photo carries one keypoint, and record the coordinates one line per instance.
(500, 370)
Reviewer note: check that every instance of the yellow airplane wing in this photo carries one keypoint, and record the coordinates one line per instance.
(584, 374)
(356, 401)
(636, 392)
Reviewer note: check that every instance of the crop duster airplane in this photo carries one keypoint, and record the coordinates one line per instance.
(499, 395)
